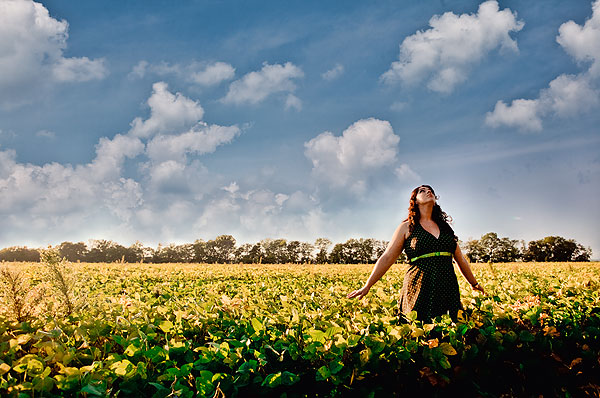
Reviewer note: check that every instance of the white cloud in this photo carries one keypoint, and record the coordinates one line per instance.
(46, 134)
(231, 188)
(521, 113)
(111, 154)
(32, 45)
(100, 196)
(255, 87)
(199, 140)
(583, 42)
(445, 53)
(399, 106)
(334, 72)
(213, 74)
(201, 73)
(168, 113)
(567, 95)
(139, 70)
(405, 173)
(258, 214)
(349, 161)
(79, 69)
(293, 102)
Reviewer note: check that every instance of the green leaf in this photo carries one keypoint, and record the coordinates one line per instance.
(365, 355)
(204, 383)
(525, 335)
(332, 331)
(120, 340)
(166, 326)
(335, 366)
(90, 389)
(273, 380)
(448, 349)
(323, 373)
(248, 367)
(4, 367)
(289, 378)
(412, 316)
(131, 350)
(257, 325)
(444, 363)
(45, 384)
(317, 335)
(141, 370)
(375, 343)
(353, 340)
(123, 368)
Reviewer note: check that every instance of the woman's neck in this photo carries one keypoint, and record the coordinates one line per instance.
(425, 211)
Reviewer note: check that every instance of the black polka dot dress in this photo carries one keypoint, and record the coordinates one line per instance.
(430, 286)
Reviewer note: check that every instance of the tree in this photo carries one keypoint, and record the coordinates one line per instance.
(492, 248)
(19, 253)
(322, 247)
(357, 251)
(242, 253)
(200, 255)
(556, 248)
(138, 252)
(274, 251)
(221, 250)
(299, 252)
(174, 253)
(106, 251)
(73, 251)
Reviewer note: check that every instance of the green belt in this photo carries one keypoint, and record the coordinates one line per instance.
(434, 254)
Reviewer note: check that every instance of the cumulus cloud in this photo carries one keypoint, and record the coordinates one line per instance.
(78, 70)
(100, 195)
(256, 86)
(260, 213)
(32, 45)
(199, 140)
(213, 74)
(405, 173)
(365, 148)
(168, 112)
(293, 102)
(567, 95)
(444, 54)
(583, 42)
(201, 73)
(522, 114)
(334, 72)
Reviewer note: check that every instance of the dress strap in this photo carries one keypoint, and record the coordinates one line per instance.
(434, 254)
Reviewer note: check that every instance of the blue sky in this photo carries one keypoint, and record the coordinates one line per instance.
(169, 122)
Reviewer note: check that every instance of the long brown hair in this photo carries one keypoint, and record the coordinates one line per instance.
(442, 219)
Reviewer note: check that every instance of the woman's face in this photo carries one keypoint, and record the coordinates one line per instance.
(425, 195)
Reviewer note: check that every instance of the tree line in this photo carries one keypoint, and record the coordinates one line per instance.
(224, 249)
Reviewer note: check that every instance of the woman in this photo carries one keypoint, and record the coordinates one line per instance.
(430, 286)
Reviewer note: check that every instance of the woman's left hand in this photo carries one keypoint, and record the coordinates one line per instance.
(360, 293)
(479, 288)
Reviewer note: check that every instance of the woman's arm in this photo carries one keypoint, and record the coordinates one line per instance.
(465, 269)
(384, 262)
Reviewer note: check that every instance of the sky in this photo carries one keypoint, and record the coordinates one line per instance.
(167, 122)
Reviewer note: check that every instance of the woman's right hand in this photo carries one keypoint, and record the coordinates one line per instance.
(360, 293)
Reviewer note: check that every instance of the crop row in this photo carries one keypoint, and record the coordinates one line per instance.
(214, 330)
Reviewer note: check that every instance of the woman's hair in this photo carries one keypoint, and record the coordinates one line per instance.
(442, 219)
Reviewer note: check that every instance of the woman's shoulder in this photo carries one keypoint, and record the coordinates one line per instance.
(404, 228)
